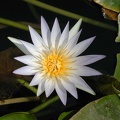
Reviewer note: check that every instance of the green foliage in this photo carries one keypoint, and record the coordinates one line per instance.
(18, 116)
(106, 108)
(117, 69)
(110, 4)
(104, 84)
(118, 37)
(65, 115)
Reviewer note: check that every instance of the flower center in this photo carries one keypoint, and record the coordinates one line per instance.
(54, 65)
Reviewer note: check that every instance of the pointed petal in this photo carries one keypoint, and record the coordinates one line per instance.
(26, 70)
(61, 92)
(81, 84)
(86, 89)
(64, 36)
(55, 33)
(28, 59)
(49, 87)
(70, 87)
(75, 29)
(85, 71)
(45, 31)
(88, 59)
(37, 79)
(81, 47)
(36, 38)
(41, 88)
(19, 45)
(73, 41)
(31, 48)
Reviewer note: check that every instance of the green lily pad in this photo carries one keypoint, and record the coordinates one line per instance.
(118, 37)
(109, 4)
(18, 116)
(105, 108)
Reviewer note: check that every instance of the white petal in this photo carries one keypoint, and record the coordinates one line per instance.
(27, 59)
(41, 88)
(31, 48)
(70, 87)
(81, 84)
(64, 36)
(61, 92)
(55, 33)
(85, 71)
(19, 45)
(72, 42)
(82, 46)
(88, 59)
(36, 38)
(75, 29)
(37, 79)
(49, 87)
(26, 70)
(45, 31)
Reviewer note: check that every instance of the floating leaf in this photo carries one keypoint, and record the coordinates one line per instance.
(8, 83)
(18, 116)
(118, 37)
(104, 84)
(106, 108)
(7, 62)
(116, 87)
(117, 69)
(111, 5)
(109, 14)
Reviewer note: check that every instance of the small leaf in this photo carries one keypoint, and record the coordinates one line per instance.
(117, 69)
(105, 108)
(118, 37)
(116, 87)
(18, 116)
(65, 115)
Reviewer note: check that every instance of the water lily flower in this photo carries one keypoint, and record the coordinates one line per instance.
(54, 60)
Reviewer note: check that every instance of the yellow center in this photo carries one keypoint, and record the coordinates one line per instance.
(54, 65)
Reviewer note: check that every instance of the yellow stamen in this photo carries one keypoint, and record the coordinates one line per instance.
(54, 65)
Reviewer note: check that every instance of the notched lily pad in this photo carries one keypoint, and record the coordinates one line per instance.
(105, 108)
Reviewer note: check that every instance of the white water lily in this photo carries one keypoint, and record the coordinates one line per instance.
(54, 60)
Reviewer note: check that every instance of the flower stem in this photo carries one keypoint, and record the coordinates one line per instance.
(43, 105)
(70, 14)
(13, 24)
(26, 84)
(19, 100)
(33, 89)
